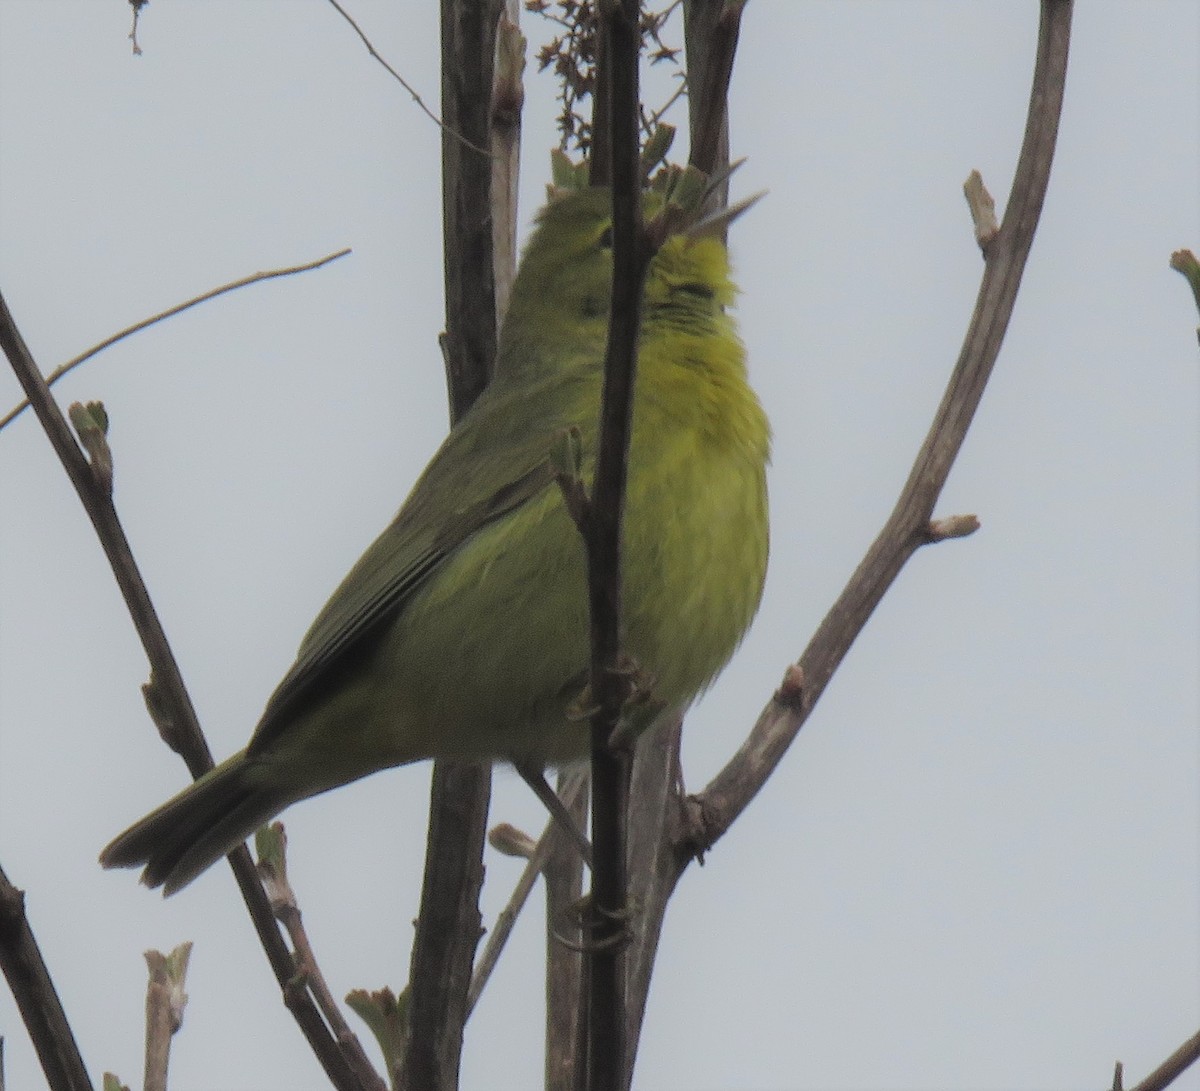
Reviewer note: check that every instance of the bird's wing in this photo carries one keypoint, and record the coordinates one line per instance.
(485, 469)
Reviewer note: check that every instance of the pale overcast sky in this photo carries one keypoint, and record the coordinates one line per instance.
(978, 868)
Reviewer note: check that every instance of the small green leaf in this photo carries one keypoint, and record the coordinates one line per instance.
(386, 1015)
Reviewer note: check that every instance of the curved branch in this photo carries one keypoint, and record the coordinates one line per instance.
(170, 312)
(420, 103)
(731, 791)
(166, 693)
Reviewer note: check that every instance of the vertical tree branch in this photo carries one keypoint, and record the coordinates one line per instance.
(508, 100)
(710, 38)
(449, 924)
(563, 878)
(468, 55)
(653, 832)
(165, 1001)
(605, 1062)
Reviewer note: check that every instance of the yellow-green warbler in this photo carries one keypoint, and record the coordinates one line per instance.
(462, 631)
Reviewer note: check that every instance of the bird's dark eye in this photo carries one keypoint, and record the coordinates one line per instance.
(605, 240)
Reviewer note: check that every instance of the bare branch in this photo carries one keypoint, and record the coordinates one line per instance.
(570, 791)
(716, 24)
(1173, 1067)
(170, 312)
(654, 815)
(165, 1001)
(137, 6)
(167, 692)
(617, 94)
(36, 997)
(449, 130)
(951, 526)
(449, 924)
(270, 843)
(983, 210)
(508, 100)
(1184, 261)
(563, 874)
(909, 525)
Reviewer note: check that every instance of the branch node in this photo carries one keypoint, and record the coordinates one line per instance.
(790, 694)
(566, 460)
(165, 1001)
(508, 90)
(137, 6)
(270, 845)
(983, 210)
(952, 526)
(170, 972)
(90, 422)
(160, 705)
(505, 838)
(695, 830)
(1184, 261)
(386, 1014)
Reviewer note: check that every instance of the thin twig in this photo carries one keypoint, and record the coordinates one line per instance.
(314, 979)
(563, 884)
(270, 843)
(165, 1001)
(37, 1000)
(507, 918)
(137, 6)
(651, 123)
(535, 777)
(448, 129)
(137, 327)
(166, 689)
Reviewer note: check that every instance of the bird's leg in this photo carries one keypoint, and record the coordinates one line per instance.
(535, 776)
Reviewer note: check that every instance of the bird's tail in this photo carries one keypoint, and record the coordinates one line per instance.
(204, 822)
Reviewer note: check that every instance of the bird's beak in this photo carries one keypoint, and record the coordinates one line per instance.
(715, 224)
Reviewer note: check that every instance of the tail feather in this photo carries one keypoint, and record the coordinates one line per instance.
(193, 830)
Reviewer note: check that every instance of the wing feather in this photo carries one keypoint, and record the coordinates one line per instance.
(491, 468)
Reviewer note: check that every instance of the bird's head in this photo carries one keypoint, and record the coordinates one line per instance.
(564, 283)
